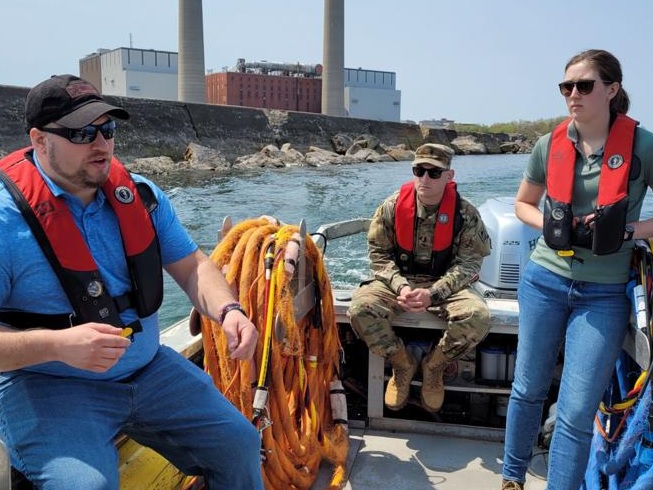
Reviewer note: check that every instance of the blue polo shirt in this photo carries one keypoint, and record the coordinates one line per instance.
(27, 282)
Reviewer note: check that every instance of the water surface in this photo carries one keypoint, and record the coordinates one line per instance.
(319, 195)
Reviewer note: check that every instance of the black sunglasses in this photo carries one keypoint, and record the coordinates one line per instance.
(584, 87)
(85, 135)
(434, 173)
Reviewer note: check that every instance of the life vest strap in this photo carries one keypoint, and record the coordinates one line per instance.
(123, 302)
(24, 320)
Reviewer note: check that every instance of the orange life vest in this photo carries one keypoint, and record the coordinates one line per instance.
(448, 224)
(612, 203)
(62, 243)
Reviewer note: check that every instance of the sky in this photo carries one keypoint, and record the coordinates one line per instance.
(473, 61)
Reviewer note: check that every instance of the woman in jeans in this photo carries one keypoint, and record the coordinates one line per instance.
(594, 170)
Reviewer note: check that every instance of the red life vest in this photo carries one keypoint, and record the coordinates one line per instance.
(448, 224)
(59, 237)
(612, 203)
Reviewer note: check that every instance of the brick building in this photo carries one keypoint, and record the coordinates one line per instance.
(285, 86)
(289, 93)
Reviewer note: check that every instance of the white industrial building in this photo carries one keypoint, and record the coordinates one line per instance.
(372, 94)
(131, 72)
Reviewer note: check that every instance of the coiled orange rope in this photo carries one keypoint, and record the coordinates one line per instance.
(304, 356)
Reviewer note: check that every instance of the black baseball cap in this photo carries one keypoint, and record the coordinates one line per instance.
(69, 101)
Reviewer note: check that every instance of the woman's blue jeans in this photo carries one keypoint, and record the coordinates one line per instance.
(61, 430)
(591, 320)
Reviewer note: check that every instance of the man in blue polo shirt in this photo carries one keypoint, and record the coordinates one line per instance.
(81, 251)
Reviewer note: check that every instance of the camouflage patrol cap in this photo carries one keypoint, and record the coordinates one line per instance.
(434, 154)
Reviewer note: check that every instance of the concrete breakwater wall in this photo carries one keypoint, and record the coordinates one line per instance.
(164, 128)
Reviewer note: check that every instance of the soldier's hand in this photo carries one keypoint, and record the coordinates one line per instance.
(414, 300)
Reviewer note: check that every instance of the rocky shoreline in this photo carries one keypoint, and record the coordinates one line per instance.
(164, 137)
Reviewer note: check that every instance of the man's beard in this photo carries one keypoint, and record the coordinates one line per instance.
(79, 178)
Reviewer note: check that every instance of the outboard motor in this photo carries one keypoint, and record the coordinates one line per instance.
(512, 244)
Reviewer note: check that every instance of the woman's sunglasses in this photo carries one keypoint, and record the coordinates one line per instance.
(85, 135)
(433, 173)
(584, 87)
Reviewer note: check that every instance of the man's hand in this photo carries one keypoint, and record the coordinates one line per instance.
(241, 335)
(95, 347)
(414, 300)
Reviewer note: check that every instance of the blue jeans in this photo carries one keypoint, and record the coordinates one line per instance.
(60, 430)
(591, 319)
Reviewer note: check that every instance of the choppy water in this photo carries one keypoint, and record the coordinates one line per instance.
(319, 195)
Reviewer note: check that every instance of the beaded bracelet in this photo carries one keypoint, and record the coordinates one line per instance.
(227, 308)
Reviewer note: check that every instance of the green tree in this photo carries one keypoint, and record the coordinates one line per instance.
(530, 129)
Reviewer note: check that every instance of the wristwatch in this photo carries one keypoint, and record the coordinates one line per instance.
(629, 230)
(435, 296)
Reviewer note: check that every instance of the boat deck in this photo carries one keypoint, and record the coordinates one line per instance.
(415, 461)
(410, 454)
(421, 457)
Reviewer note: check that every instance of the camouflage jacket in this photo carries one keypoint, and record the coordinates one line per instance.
(469, 248)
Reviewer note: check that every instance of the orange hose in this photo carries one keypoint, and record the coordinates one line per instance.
(304, 358)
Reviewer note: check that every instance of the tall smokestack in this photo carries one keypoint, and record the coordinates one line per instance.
(191, 82)
(333, 58)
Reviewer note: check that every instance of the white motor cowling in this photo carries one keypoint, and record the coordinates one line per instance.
(512, 243)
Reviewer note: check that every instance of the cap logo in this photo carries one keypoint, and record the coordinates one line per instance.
(77, 88)
(615, 161)
(124, 194)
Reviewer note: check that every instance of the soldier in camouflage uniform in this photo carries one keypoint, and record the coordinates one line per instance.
(424, 261)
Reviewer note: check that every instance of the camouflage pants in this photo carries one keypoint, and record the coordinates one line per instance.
(374, 307)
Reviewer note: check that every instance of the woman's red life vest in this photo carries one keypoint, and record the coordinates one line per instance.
(448, 224)
(63, 244)
(612, 202)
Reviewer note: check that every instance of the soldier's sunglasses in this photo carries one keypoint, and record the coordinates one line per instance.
(433, 173)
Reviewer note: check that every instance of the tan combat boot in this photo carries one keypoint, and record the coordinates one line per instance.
(404, 367)
(432, 386)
